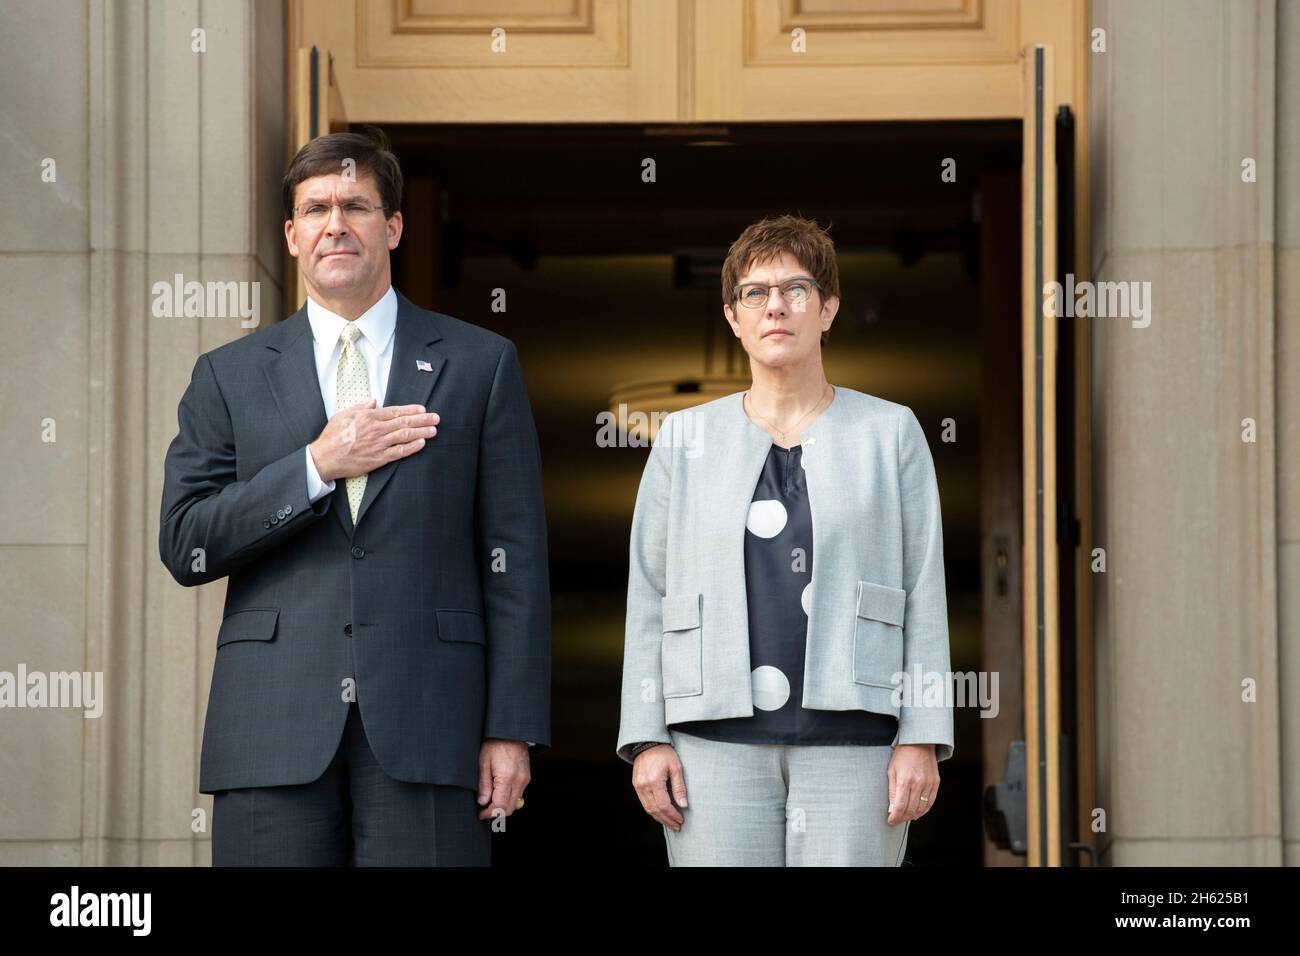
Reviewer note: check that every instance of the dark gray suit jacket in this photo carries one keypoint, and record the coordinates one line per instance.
(436, 603)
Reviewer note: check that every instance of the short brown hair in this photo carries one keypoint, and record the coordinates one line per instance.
(325, 154)
(767, 239)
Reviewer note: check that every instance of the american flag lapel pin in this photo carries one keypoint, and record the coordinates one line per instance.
(423, 366)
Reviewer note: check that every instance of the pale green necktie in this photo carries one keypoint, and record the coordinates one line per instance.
(352, 387)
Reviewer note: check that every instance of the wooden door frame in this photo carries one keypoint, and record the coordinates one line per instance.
(1075, 94)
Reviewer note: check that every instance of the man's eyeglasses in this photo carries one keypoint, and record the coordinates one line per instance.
(796, 291)
(316, 213)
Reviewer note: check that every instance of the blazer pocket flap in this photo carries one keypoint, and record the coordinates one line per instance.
(881, 602)
(248, 624)
(461, 625)
(681, 612)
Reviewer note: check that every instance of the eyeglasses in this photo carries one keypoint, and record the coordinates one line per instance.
(317, 213)
(796, 291)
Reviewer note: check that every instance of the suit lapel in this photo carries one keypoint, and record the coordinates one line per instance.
(408, 383)
(296, 388)
(291, 373)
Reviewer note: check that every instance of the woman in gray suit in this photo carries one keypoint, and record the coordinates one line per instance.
(786, 652)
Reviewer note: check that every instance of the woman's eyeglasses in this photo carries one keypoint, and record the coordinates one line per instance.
(796, 291)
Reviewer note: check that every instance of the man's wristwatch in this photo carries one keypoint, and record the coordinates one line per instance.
(643, 745)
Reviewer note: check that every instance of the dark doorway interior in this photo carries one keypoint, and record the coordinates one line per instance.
(608, 278)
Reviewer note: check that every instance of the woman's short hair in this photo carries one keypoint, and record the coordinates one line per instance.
(369, 149)
(762, 241)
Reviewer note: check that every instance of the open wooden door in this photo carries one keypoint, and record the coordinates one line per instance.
(317, 109)
(1040, 630)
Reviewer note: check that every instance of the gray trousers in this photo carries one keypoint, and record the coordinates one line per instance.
(784, 805)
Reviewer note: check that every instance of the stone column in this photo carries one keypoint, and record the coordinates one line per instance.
(169, 146)
(1187, 511)
(1287, 343)
(44, 376)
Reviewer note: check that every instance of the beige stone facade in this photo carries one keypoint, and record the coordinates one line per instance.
(167, 162)
(1200, 527)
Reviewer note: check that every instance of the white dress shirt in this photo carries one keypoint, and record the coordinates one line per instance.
(378, 324)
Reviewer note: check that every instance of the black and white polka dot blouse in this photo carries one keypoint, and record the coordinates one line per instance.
(778, 569)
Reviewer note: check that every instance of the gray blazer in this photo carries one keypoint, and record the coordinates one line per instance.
(877, 607)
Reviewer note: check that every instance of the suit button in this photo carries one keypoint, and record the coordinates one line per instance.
(275, 521)
(347, 629)
(358, 553)
(280, 514)
(266, 524)
(288, 509)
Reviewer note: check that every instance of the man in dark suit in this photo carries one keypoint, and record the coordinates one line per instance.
(367, 476)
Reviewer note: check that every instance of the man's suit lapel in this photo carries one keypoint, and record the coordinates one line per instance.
(408, 383)
(291, 373)
(296, 388)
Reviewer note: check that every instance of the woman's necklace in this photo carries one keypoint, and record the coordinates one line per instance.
(796, 424)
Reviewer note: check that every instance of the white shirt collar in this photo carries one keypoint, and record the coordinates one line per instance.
(377, 323)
